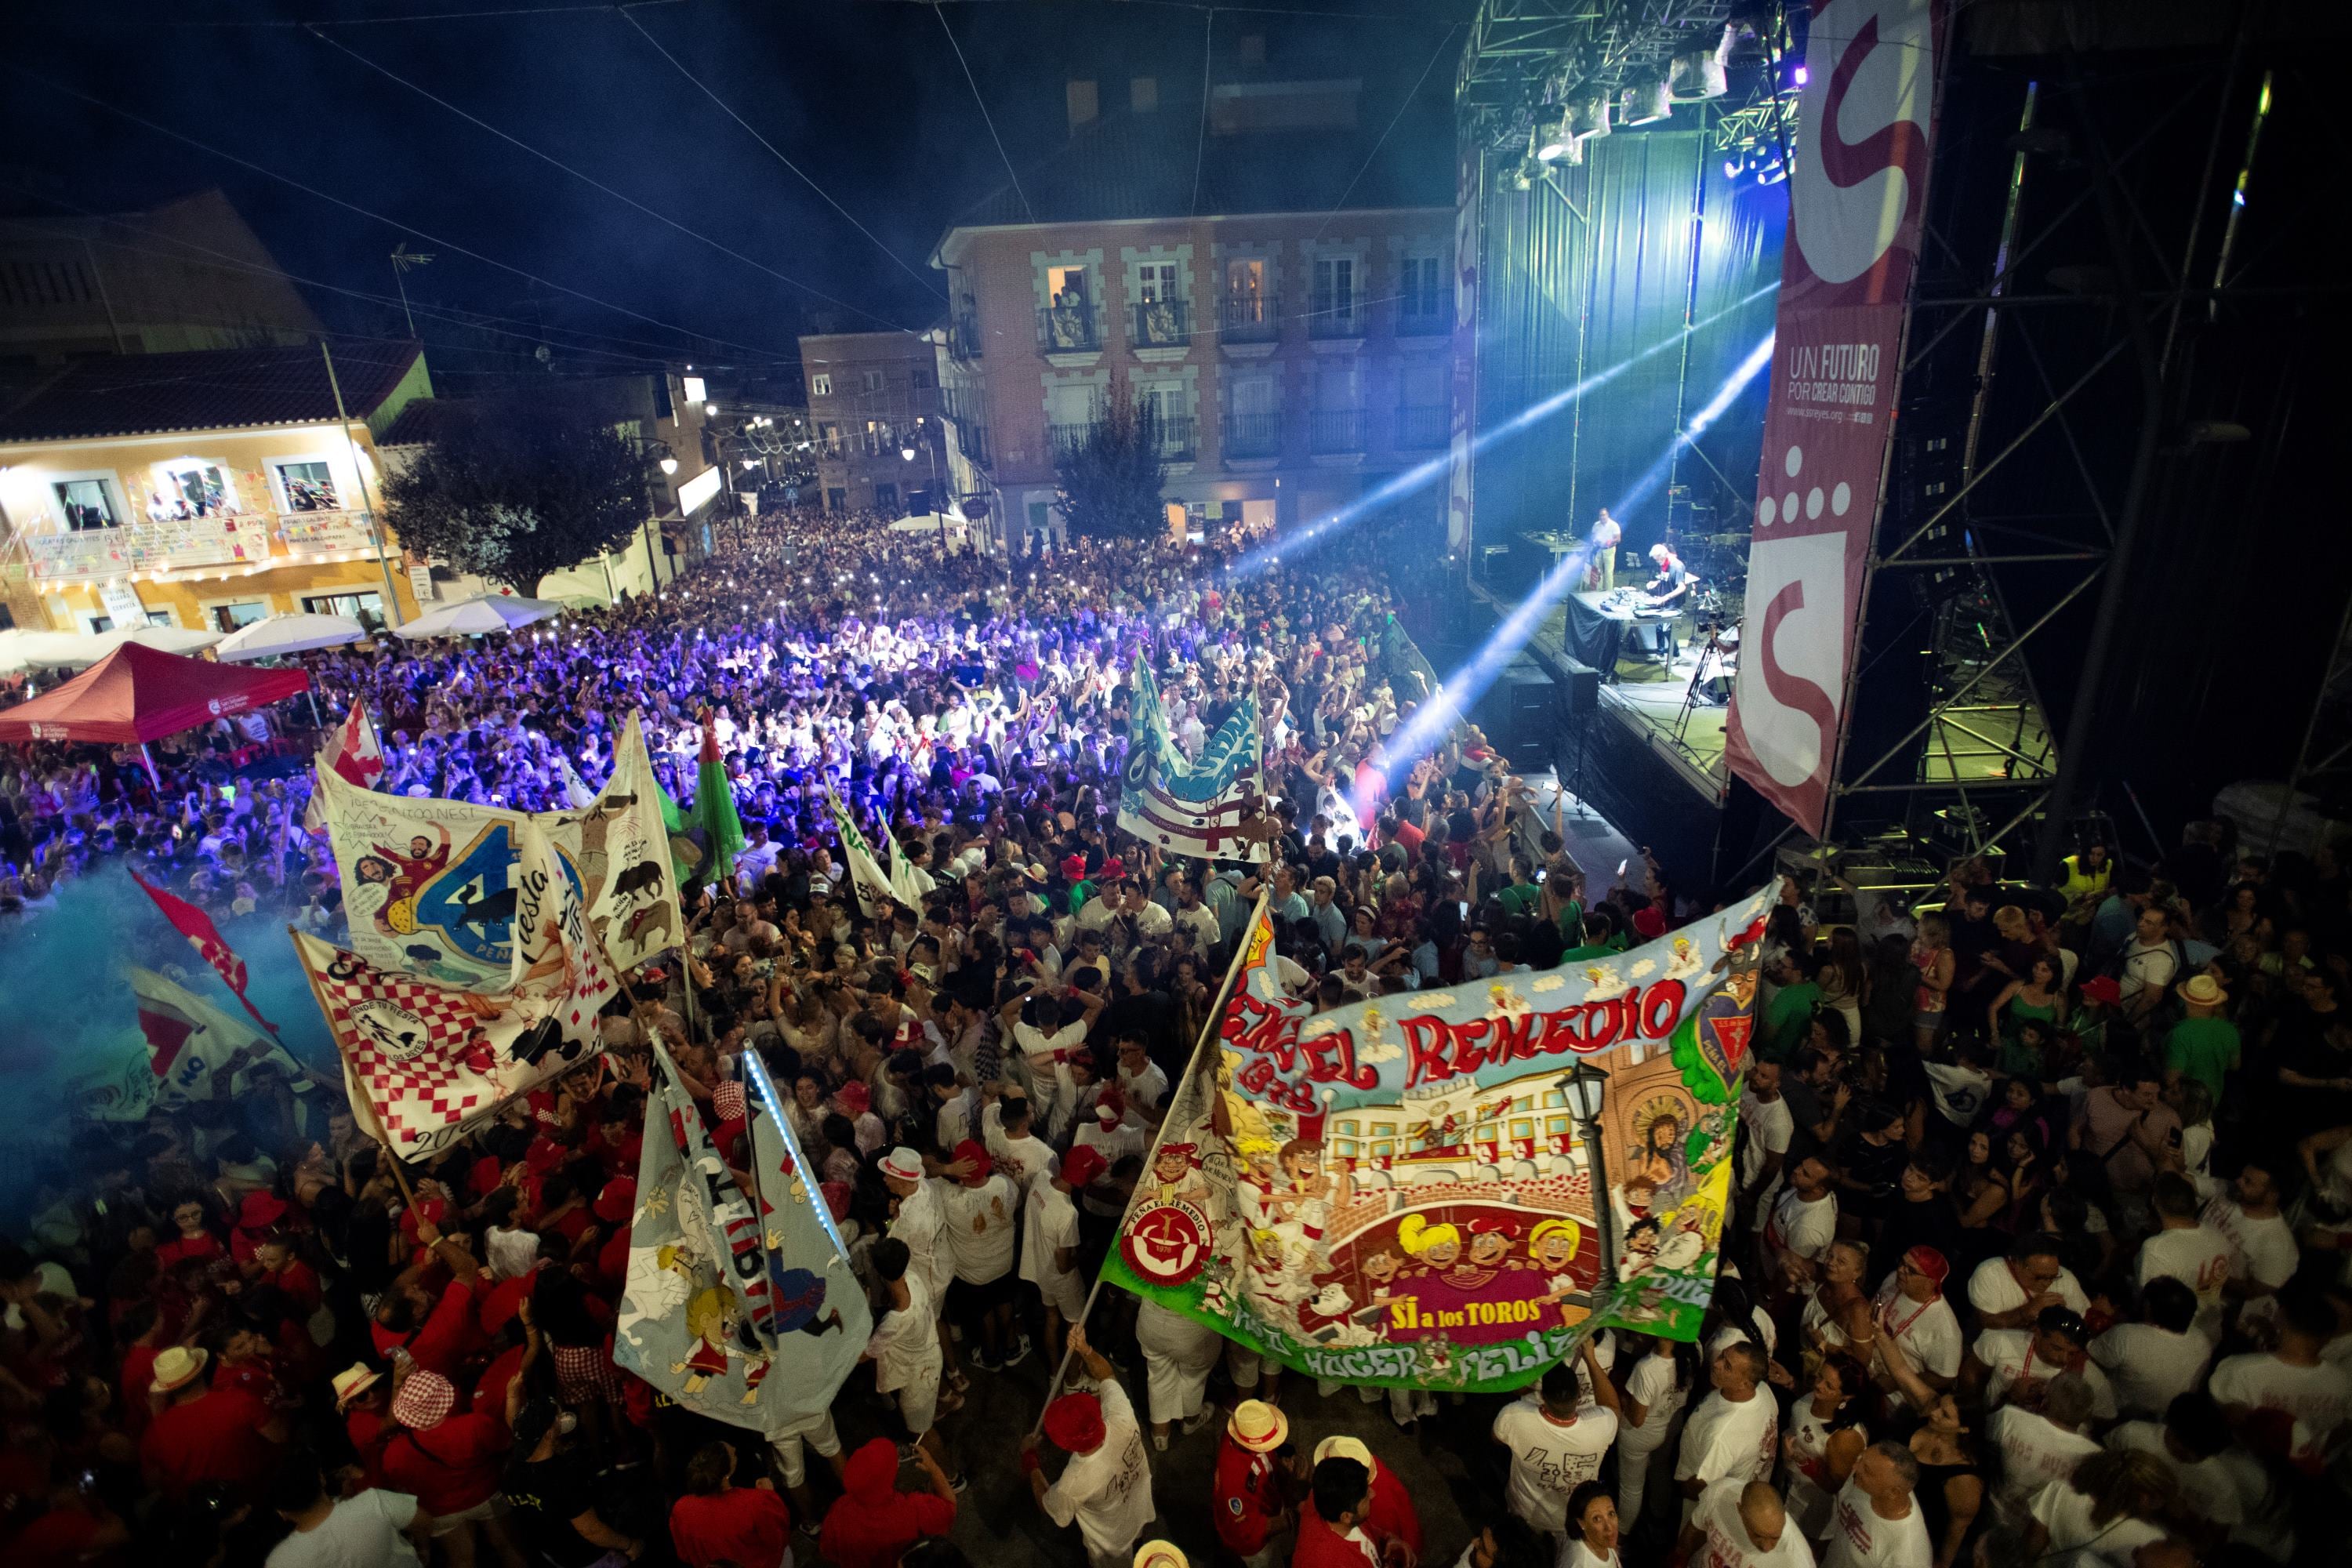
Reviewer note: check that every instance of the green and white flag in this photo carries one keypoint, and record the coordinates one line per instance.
(874, 888)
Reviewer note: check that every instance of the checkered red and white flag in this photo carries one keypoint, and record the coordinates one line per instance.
(352, 754)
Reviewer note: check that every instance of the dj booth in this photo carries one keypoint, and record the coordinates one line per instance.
(1598, 625)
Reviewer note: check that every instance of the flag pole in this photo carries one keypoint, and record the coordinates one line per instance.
(1209, 1034)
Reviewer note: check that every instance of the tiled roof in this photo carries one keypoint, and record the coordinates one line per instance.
(216, 389)
(1141, 166)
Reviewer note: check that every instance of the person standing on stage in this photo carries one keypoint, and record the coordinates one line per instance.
(1668, 591)
(1607, 534)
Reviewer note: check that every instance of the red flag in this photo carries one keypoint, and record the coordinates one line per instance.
(198, 926)
(352, 754)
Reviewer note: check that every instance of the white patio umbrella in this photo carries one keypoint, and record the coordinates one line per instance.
(75, 651)
(275, 635)
(162, 639)
(470, 617)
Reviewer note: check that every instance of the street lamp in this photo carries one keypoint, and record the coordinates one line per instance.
(1585, 1087)
(908, 453)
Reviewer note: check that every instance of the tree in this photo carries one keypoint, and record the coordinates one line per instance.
(515, 488)
(1108, 485)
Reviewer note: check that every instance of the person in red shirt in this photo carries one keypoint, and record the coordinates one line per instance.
(449, 1463)
(142, 1327)
(279, 1267)
(259, 1215)
(1252, 1512)
(364, 1400)
(1394, 1521)
(716, 1522)
(1332, 1532)
(435, 1333)
(203, 1434)
(616, 1205)
(195, 1243)
(873, 1522)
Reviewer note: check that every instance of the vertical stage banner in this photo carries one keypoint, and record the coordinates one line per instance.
(1857, 199)
(1396, 1193)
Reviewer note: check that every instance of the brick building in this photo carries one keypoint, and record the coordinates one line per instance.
(1278, 289)
(871, 397)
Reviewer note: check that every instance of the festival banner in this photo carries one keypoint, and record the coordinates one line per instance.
(423, 1060)
(352, 752)
(196, 1051)
(429, 884)
(1857, 199)
(1395, 1192)
(705, 1311)
(875, 891)
(1211, 806)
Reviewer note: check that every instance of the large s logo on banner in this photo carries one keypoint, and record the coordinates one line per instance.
(1862, 156)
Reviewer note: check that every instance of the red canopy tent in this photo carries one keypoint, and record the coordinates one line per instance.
(137, 694)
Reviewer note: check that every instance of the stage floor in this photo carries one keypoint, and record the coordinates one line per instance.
(1647, 698)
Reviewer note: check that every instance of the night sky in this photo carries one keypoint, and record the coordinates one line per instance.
(867, 99)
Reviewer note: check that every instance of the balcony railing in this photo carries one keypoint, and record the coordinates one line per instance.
(1335, 318)
(971, 437)
(1249, 317)
(963, 332)
(1174, 438)
(1064, 437)
(1423, 428)
(1252, 435)
(1336, 430)
(1160, 325)
(241, 539)
(1069, 329)
(1424, 318)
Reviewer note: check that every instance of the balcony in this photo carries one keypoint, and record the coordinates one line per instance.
(249, 540)
(1424, 318)
(1252, 435)
(1335, 430)
(1335, 318)
(963, 332)
(1424, 429)
(1062, 438)
(971, 440)
(1173, 440)
(1160, 324)
(1249, 317)
(1069, 329)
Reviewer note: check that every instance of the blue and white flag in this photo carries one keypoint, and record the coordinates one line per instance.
(1211, 807)
(702, 1316)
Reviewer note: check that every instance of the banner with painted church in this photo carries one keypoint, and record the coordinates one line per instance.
(430, 888)
(1395, 1192)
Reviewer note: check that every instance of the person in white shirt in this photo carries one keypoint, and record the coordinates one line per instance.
(1876, 1522)
(2037, 1447)
(905, 1347)
(2198, 1255)
(1049, 1242)
(2219, 1482)
(1741, 1524)
(1767, 1124)
(2162, 1357)
(1916, 1325)
(2101, 1515)
(1006, 1127)
(917, 1220)
(1105, 1488)
(2016, 1365)
(2290, 1403)
(1802, 1224)
(2250, 1218)
(1734, 1432)
(1655, 1393)
(984, 1217)
(2011, 1293)
(1592, 1529)
(1555, 1446)
(372, 1529)
(1140, 1079)
(1178, 1356)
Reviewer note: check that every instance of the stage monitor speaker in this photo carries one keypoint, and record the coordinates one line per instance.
(1520, 712)
(1583, 690)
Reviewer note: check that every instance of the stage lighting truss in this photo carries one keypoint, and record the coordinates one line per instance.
(1531, 64)
(1646, 102)
(1702, 74)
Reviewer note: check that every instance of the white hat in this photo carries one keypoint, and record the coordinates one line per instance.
(903, 1163)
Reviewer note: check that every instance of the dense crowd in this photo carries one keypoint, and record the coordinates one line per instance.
(2040, 1195)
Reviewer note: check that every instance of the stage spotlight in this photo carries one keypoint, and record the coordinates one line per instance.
(1734, 167)
(1701, 73)
(1646, 102)
(1557, 141)
(1589, 116)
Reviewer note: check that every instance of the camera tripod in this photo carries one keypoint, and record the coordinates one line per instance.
(1714, 649)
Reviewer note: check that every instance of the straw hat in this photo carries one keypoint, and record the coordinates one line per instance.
(178, 1367)
(1258, 1426)
(1344, 1447)
(352, 1381)
(2202, 991)
(1160, 1554)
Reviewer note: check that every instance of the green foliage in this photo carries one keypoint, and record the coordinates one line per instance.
(1699, 1077)
(1109, 485)
(518, 487)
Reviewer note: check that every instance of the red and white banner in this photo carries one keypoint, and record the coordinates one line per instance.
(1857, 196)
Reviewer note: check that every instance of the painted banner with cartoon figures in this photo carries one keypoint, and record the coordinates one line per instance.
(721, 1311)
(1394, 1192)
(429, 884)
